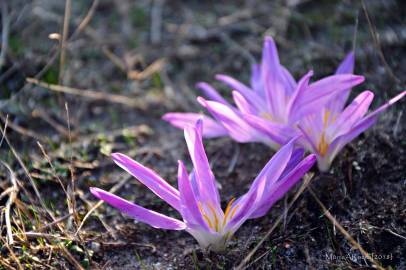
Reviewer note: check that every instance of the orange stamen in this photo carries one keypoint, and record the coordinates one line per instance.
(227, 210)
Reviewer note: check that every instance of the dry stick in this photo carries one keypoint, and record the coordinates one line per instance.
(34, 186)
(97, 205)
(58, 220)
(4, 36)
(378, 45)
(354, 243)
(70, 257)
(51, 61)
(21, 130)
(306, 182)
(10, 201)
(89, 93)
(65, 32)
(13, 256)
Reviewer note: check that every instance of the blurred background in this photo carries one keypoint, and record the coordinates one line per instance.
(80, 79)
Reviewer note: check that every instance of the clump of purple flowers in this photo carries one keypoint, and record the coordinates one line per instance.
(275, 108)
(197, 198)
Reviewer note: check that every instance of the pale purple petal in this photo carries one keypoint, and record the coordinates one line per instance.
(293, 110)
(277, 133)
(289, 81)
(140, 213)
(273, 78)
(211, 129)
(189, 205)
(279, 189)
(237, 128)
(204, 176)
(242, 104)
(351, 115)
(211, 93)
(256, 79)
(248, 93)
(320, 92)
(149, 178)
(346, 67)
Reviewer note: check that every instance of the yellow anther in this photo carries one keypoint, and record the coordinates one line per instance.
(325, 118)
(227, 210)
(216, 221)
(266, 116)
(206, 218)
(233, 212)
(323, 145)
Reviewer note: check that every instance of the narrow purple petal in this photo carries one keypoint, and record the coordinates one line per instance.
(279, 189)
(141, 214)
(273, 78)
(150, 179)
(211, 129)
(294, 111)
(204, 176)
(289, 81)
(346, 67)
(189, 205)
(256, 79)
(242, 104)
(278, 133)
(248, 94)
(237, 128)
(211, 93)
(351, 114)
(320, 92)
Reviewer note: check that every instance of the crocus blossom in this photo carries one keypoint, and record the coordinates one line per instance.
(197, 198)
(329, 130)
(270, 108)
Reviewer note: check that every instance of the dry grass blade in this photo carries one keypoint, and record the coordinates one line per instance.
(91, 94)
(34, 186)
(70, 257)
(13, 256)
(11, 198)
(244, 262)
(378, 45)
(354, 243)
(22, 131)
(64, 39)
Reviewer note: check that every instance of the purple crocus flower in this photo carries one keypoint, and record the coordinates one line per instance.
(269, 110)
(198, 200)
(329, 130)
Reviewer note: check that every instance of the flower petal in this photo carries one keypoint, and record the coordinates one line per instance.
(242, 104)
(206, 182)
(237, 128)
(346, 67)
(142, 214)
(294, 111)
(247, 93)
(149, 178)
(320, 92)
(211, 129)
(189, 205)
(351, 115)
(273, 78)
(279, 189)
(212, 93)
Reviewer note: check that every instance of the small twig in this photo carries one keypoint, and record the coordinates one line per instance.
(65, 33)
(58, 220)
(10, 201)
(70, 257)
(89, 94)
(13, 255)
(5, 21)
(354, 243)
(22, 131)
(243, 263)
(377, 43)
